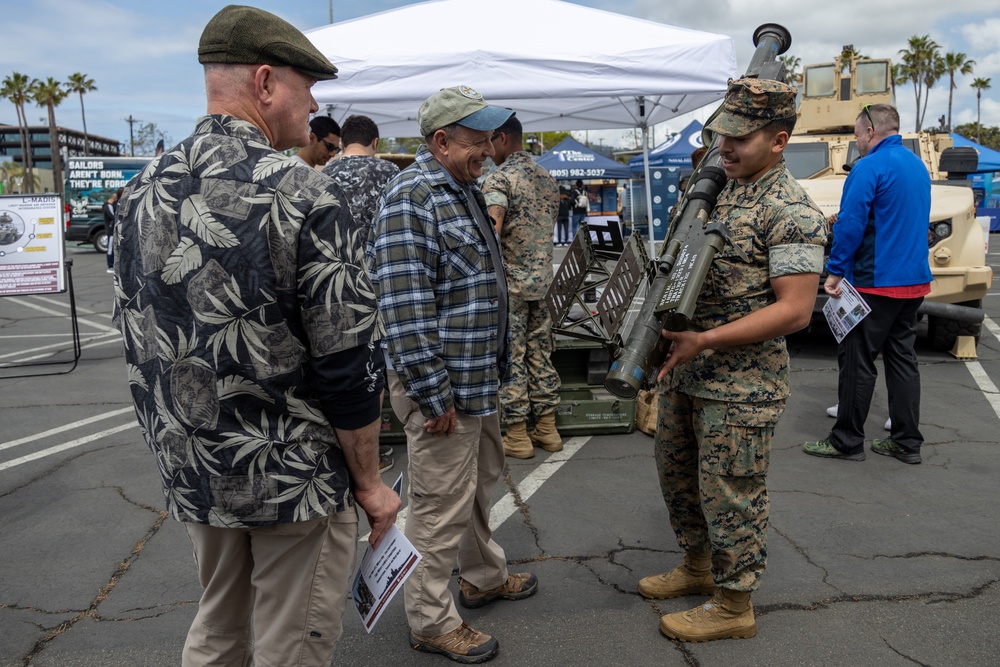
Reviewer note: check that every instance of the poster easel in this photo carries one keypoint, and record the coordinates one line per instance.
(33, 261)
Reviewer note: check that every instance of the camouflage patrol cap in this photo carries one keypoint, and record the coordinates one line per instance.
(240, 35)
(751, 104)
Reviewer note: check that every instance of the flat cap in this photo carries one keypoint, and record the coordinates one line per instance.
(462, 105)
(751, 104)
(240, 35)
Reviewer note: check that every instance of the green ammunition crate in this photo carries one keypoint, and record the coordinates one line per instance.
(585, 408)
(593, 411)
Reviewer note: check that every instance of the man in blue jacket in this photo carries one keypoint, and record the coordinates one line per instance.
(880, 246)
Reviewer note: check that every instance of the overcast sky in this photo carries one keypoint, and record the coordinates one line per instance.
(143, 55)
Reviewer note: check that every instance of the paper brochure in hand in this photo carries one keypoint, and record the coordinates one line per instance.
(844, 312)
(382, 572)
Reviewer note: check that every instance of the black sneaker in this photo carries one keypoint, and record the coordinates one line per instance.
(890, 447)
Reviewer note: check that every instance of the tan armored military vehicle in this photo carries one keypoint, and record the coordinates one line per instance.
(822, 151)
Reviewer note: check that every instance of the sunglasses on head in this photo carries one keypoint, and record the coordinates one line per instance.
(868, 113)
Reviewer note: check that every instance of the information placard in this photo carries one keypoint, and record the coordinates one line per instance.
(31, 244)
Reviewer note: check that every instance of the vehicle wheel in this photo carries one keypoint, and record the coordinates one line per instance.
(942, 332)
(100, 241)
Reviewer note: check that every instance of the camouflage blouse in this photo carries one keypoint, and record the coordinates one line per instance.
(776, 230)
(531, 199)
(235, 264)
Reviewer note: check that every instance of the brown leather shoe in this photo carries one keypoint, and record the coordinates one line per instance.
(517, 587)
(463, 644)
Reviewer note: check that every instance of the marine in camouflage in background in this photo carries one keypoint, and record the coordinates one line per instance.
(523, 200)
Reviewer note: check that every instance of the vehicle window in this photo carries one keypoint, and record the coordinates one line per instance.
(806, 160)
(819, 81)
(853, 155)
(872, 78)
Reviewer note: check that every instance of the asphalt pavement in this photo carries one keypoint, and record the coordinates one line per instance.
(872, 562)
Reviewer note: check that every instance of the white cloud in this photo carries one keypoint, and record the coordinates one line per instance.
(982, 35)
(142, 54)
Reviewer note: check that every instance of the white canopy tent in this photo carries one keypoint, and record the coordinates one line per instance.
(591, 69)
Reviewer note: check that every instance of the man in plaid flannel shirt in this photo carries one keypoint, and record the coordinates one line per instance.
(442, 293)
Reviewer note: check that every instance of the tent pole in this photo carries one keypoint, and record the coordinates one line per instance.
(645, 166)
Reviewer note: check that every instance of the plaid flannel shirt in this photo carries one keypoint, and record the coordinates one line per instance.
(437, 287)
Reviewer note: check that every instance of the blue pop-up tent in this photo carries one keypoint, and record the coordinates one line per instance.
(989, 159)
(571, 160)
(675, 151)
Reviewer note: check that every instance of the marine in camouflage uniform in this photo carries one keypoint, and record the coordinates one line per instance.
(728, 381)
(526, 199)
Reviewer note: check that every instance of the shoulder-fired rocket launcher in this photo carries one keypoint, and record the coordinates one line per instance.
(688, 250)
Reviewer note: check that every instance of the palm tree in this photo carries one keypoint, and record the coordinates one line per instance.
(980, 84)
(79, 83)
(960, 63)
(14, 174)
(17, 88)
(792, 64)
(923, 66)
(50, 94)
(898, 77)
(847, 54)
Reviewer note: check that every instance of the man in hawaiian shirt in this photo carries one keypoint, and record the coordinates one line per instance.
(251, 339)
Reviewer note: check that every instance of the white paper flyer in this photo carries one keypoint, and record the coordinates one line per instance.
(844, 312)
(383, 571)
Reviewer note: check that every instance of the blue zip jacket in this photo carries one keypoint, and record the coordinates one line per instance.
(880, 237)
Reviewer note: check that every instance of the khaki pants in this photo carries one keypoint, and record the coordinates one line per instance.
(289, 581)
(451, 490)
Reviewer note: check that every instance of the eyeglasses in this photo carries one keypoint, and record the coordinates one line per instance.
(868, 113)
(496, 135)
(333, 148)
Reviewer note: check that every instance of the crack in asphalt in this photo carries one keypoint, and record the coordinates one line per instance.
(134, 503)
(805, 555)
(922, 554)
(522, 507)
(903, 655)
(55, 468)
(91, 611)
(930, 597)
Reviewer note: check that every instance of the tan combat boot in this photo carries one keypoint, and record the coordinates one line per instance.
(692, 577)
(728, 615)
(516, 442)
(545, 434)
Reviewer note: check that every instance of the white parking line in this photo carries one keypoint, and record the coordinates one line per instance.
(68, 445)
(49, 311)
(79, 310)
(992, 327)
(508, 505)
(990, 392)
(110, 337)
(65, 427)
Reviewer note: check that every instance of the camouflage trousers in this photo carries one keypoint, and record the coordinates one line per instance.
(532, 389)
(712, 459)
